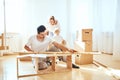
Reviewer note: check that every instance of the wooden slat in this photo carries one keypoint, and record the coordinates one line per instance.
(2, 39)
(49, 53)
(4, 47)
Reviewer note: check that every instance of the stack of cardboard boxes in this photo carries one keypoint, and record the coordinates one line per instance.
(85, 57)
(87, 38)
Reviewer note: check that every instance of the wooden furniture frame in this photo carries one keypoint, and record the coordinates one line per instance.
(2, 40)
(54, 67)
(3, 47)
(85, 57)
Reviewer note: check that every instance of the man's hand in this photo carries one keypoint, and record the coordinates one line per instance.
(72, 50)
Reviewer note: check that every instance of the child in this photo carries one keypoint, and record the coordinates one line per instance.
(57, 38)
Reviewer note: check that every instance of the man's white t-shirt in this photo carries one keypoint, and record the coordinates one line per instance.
(38, 46)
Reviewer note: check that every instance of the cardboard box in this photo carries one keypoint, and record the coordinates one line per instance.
(82, 59)
(87, 35)
(88, 46)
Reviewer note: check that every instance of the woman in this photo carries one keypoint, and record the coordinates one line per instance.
(53, 24)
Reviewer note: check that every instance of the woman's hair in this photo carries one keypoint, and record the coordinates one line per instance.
(41, 28)
(53, 18)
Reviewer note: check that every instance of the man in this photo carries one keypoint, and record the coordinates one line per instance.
(40, 43)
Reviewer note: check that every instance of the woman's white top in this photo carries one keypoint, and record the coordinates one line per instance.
(52, 28)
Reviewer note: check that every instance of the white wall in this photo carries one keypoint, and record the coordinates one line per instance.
(81, 16)
(104, 25)
(116, 46)
(24, 16)
(1, 16)
(97, 14)
(29, 14)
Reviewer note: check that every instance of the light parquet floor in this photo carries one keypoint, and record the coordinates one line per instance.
(86, 72)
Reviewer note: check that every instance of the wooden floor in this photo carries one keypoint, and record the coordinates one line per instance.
(107, 60)
(110, 63)
(86, 72)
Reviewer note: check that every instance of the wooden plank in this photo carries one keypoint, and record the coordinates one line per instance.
(29, 59)
(4, 47)
(69, 62)
(95, 53)
(27, 52)
(0, 37)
